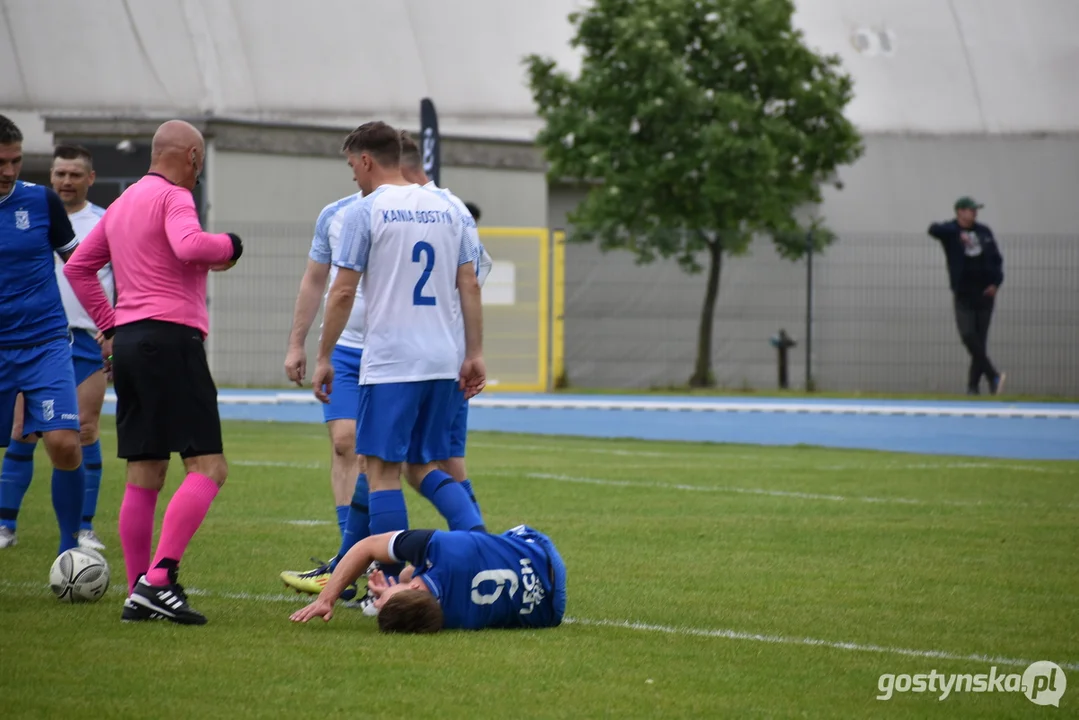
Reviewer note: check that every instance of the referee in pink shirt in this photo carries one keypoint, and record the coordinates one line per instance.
(166, 400)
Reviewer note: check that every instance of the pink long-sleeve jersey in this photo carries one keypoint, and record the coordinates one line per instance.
(160, 258)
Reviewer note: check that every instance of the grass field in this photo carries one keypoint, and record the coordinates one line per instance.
(700, 577)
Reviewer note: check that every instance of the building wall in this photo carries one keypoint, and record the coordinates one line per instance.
(882, 314)
(507, 198)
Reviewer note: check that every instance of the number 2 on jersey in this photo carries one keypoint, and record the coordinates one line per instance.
(419, 250)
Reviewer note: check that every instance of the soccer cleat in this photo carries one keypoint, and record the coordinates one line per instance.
(133, 612)
(89, 539)
(7, 538)
(167, 600)
(312, 582)
(997, 384)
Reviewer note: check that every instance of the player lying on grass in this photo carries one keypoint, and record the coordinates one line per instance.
(456, 580)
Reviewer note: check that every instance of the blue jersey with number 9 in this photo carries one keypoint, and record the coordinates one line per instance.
(512, 580)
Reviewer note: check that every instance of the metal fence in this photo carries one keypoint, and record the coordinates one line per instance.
(881, 318)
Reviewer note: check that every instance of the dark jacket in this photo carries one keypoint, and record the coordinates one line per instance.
(973, 266)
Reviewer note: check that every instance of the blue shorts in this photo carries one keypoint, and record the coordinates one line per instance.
(45, 377)
(85, 355)
(410, 422)
(459, 431)
(345, 399)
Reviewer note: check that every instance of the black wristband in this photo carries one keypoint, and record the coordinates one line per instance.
(237, 247)
(107, 334)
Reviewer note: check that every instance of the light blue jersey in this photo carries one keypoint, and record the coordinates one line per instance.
(325, 248)
(408, 242)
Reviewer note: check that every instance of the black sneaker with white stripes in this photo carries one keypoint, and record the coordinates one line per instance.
(133, 612)
(167, 601)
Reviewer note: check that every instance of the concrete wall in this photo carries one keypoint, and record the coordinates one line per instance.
(883, 319)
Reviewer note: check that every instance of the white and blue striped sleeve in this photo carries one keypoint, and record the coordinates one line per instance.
(470, 242)
(320, 244)
(355, 237)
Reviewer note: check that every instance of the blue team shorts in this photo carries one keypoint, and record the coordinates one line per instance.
(459, 431)
(46, 378)
(85, 355)
(558, 567)
(345, 399)
(410, 422)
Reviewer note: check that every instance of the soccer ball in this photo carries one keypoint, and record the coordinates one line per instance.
(79, 575)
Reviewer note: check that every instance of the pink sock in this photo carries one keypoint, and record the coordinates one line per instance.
(185, 513)
(137, 531)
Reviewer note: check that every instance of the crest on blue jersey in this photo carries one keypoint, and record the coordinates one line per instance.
(22, 219)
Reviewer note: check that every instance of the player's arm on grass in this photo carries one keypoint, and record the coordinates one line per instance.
(308, 299)
(351, 566)
(189, 242)
(81, 272)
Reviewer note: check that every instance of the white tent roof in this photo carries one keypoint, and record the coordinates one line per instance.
(956, 66)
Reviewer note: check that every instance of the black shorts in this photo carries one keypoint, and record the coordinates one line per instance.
(166, 400)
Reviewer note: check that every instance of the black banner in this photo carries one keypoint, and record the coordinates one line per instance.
(430, 143)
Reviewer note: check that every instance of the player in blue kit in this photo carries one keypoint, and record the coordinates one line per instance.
(72, 176)
(34, 350)
(456, 580)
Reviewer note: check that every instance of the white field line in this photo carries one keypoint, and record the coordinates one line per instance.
(741, 490)
(811, 642)
(640, 627)
(763, 460)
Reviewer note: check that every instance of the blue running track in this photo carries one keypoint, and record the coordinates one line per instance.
(1029, 431)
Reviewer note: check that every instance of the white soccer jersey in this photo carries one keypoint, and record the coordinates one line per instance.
(408, 242)
(483, 261)
(325, 248)
(83, 222)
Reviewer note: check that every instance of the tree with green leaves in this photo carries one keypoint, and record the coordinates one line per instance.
(698, 124)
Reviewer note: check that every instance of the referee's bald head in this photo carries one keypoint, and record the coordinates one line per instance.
(175, 135)
(178, 151)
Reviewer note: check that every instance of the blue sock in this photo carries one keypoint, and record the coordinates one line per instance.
(467, 485)
(452, 501)
(388, 513)
(91, 461)
(342, 517)
(357, 522)
(15, 476)
(67, 502)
